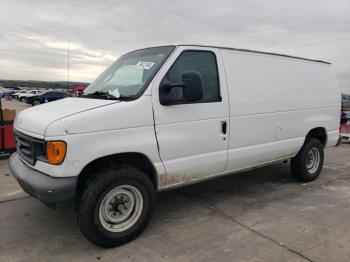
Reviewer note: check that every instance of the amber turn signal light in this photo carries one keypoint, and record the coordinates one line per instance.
(55, 152)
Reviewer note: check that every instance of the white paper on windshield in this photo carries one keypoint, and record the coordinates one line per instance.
(144, 65)
(114, 92)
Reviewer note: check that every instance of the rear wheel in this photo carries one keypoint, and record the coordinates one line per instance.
(115, 206)
(307, 164)
(22, 99)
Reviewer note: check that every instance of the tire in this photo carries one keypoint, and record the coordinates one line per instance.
(36, 102)
(97, 205)
(22, 99)
(307, 164)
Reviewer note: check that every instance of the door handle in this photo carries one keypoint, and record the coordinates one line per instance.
(224, 127)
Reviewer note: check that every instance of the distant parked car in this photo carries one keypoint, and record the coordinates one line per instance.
(7, 93)
(345, 97)
(345, 102)
(23, 96)
(76, 91)
(45, 97)
(15, 95)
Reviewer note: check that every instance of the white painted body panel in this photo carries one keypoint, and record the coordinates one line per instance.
(191, 144)
(269, 102)
(99, 128)
(274, 102)
(36, 119)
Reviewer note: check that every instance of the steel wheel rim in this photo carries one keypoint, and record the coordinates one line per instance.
(121, 208)
(313, 159)
(36, 102)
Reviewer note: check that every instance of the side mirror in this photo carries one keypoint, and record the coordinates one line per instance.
(190, 90)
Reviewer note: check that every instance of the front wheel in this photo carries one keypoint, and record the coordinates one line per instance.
(307, 164)
(22, 99)
(36, 102)
(116, 206)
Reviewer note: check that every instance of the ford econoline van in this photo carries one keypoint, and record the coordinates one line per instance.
(168, 116)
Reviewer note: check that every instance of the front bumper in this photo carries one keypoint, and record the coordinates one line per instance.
(49, 190)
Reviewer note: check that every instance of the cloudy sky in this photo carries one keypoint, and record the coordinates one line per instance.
(34, 34)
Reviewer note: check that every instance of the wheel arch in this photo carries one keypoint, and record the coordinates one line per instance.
(319, 133)
(134, 159)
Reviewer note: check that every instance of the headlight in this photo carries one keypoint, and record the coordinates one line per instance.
(55, 152)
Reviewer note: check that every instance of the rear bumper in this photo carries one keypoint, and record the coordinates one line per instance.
(47, 189)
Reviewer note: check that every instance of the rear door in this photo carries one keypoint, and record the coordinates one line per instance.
(193, 137)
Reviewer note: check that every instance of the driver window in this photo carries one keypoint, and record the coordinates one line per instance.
(203, 62)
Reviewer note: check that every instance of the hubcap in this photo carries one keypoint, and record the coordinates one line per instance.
(313, 160)
(121, 208)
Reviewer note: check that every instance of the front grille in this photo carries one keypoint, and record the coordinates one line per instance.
(29, 148)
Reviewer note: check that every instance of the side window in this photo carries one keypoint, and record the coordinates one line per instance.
(203, 62)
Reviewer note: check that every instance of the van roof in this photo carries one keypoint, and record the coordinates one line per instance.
(260, 52)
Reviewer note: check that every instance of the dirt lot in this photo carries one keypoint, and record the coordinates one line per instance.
(262, 215)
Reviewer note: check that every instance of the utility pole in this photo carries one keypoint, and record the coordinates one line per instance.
(68, 65)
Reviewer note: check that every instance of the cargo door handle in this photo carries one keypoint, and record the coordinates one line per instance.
(224, 127)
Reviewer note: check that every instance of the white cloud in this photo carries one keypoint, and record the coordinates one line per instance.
(34, 34)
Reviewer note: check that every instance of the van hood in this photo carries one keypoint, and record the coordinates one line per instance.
(37, 119)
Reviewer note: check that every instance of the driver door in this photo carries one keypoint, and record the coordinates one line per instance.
(193, 137)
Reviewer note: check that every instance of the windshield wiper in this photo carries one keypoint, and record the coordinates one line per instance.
(106, 94)
(109, 95)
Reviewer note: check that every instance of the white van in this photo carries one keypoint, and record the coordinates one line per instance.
(168, 116)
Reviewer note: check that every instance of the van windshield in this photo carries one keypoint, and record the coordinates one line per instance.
(130, 74)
